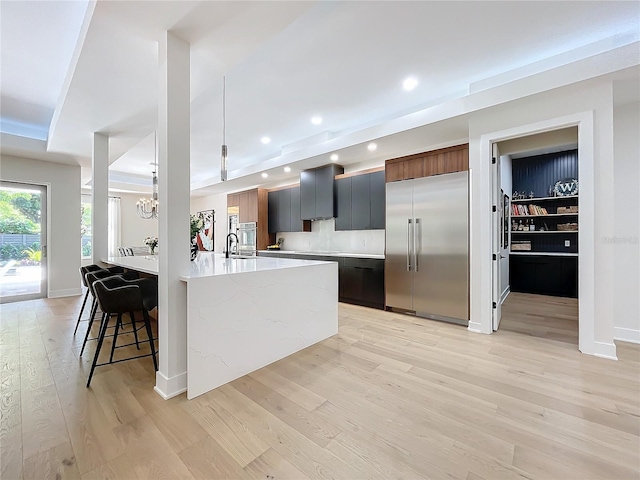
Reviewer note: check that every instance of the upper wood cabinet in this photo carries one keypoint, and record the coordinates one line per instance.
(436, 162)
(252, 207)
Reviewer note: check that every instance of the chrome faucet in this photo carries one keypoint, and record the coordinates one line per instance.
(229, 244)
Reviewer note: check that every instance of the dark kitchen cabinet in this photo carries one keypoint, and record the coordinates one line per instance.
(284, 211)
(362, 281)
(297, 224)
(378, 202)
(361, 202)
(544, 275)
(343, 204)
(317, 192)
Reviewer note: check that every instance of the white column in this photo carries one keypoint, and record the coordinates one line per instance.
(100, 197)
(173, 225)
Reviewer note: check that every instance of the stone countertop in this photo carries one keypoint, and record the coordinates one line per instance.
(326, 254)
(211, 265)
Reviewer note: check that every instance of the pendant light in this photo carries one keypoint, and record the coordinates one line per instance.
(148, 208)
(223, 159)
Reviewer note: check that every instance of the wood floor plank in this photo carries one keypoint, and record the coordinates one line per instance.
(391, 396)
(272, 466)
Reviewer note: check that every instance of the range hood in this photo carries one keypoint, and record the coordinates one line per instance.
(318, 193)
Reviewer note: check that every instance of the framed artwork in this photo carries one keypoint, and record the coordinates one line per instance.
(204, 238)
(506, 209)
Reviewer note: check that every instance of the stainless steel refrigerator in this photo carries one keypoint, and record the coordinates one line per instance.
(427, 246)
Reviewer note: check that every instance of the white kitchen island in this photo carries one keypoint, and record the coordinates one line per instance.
(244, 314)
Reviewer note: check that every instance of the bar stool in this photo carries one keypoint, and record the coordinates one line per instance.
(117, 296)
(83, 272)
(91, 278)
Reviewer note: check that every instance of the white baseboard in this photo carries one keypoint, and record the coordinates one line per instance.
(69, 292)
(475, 327)
(170, 387)
(605, 350)
(626, 335)
(505, 294)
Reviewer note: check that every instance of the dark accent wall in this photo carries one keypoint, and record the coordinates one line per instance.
(539, 173)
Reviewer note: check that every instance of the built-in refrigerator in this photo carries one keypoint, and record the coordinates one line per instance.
(427, 246)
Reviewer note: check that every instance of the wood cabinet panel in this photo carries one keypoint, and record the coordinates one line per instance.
(437, 162)
(233, 200)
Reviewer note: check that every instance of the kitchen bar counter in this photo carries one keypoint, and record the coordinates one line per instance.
(323, 254)
(244, 314)
(140, 263)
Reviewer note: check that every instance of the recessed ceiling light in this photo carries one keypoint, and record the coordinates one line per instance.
(334, 157)
(287, 169)
(316, 120)
(409, 83)
(265, 174)
(372, 147)
(265, 140)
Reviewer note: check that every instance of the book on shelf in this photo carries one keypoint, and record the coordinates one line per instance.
(518, 209)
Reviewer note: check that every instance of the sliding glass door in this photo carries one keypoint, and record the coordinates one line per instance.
(23, 242)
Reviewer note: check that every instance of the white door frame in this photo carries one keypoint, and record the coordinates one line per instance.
(481, 303)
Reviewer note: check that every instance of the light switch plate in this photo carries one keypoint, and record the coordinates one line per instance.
(567, 243)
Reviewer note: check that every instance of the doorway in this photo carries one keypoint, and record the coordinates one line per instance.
(23, 242)
(535, 235)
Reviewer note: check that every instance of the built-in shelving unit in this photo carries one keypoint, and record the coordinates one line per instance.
(544, 261)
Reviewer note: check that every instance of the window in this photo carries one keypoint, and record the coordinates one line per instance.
(85, 229)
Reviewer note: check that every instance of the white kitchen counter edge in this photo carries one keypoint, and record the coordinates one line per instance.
(326, 254)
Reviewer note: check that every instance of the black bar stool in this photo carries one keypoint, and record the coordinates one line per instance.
(117, 296)
(83, 273)
(91, 278)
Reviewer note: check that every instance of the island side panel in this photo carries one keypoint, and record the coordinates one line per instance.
(239, 323)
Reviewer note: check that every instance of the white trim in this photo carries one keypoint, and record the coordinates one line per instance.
(67, 292)
(475, 327)
(505, 294)
(604, 350)
(481, 242)
(626, 335)
(170, 387)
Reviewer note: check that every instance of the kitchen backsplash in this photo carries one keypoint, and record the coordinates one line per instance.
(323, 237)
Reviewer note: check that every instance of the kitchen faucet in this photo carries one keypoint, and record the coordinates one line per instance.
(229, 244)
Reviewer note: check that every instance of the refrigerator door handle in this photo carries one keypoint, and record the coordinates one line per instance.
(417, 243)
(409, 238)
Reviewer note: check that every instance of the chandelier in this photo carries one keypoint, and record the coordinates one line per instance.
(148, 207)
(223, 159)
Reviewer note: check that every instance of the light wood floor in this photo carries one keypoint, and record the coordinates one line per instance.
(391, 396)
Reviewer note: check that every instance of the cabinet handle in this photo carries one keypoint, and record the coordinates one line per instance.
(417, 242)
(409, 232)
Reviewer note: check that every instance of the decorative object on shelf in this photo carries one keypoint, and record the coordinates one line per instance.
(565, 187)
(223, 158)
(521, 246)
(148, 208)
(568, 227)
(202, 230)
(569, 209)
(152, 243)
(532, 195)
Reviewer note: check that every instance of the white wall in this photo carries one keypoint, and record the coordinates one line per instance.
(506, 184)
(625, 239)
(133, 229)
(63, 230)
(548, 141)
(323, 237)
(218, 203)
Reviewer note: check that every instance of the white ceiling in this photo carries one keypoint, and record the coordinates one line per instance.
(284, 62)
